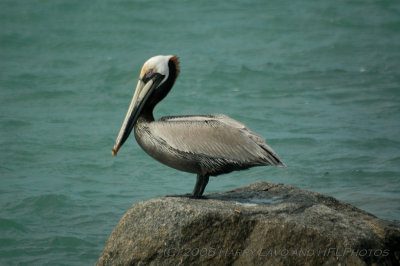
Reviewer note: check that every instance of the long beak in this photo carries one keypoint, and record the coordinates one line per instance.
(142, 93)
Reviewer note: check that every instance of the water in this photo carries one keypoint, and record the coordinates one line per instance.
(319, 79)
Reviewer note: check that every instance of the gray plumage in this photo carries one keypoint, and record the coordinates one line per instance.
(205, 145)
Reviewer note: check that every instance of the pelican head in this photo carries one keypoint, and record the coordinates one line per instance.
(156, 79)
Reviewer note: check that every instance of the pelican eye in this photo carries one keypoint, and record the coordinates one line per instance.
(149, 73)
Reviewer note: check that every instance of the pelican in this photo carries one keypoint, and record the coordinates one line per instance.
(206, 145)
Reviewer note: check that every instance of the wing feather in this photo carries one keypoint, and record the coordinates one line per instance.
(215, 136)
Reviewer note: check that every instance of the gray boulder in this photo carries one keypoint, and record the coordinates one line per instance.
(260, 224)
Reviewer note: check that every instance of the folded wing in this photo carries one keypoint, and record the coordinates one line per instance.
(215, 136)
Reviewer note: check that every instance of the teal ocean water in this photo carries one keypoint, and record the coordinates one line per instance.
(320, 80)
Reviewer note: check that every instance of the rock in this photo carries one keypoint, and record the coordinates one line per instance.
(260, 224)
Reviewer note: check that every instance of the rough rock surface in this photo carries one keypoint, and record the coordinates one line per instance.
(260, 224)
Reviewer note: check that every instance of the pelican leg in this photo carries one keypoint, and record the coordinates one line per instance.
(201, 183)
(204, 184)
(197, 187)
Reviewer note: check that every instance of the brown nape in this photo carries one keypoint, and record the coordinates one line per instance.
(174, 59)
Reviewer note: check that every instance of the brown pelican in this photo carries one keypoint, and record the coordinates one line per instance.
(207, 145)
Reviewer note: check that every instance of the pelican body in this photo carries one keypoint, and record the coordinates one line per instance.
(206, 145)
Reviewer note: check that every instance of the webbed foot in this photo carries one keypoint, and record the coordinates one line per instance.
(187, 195)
